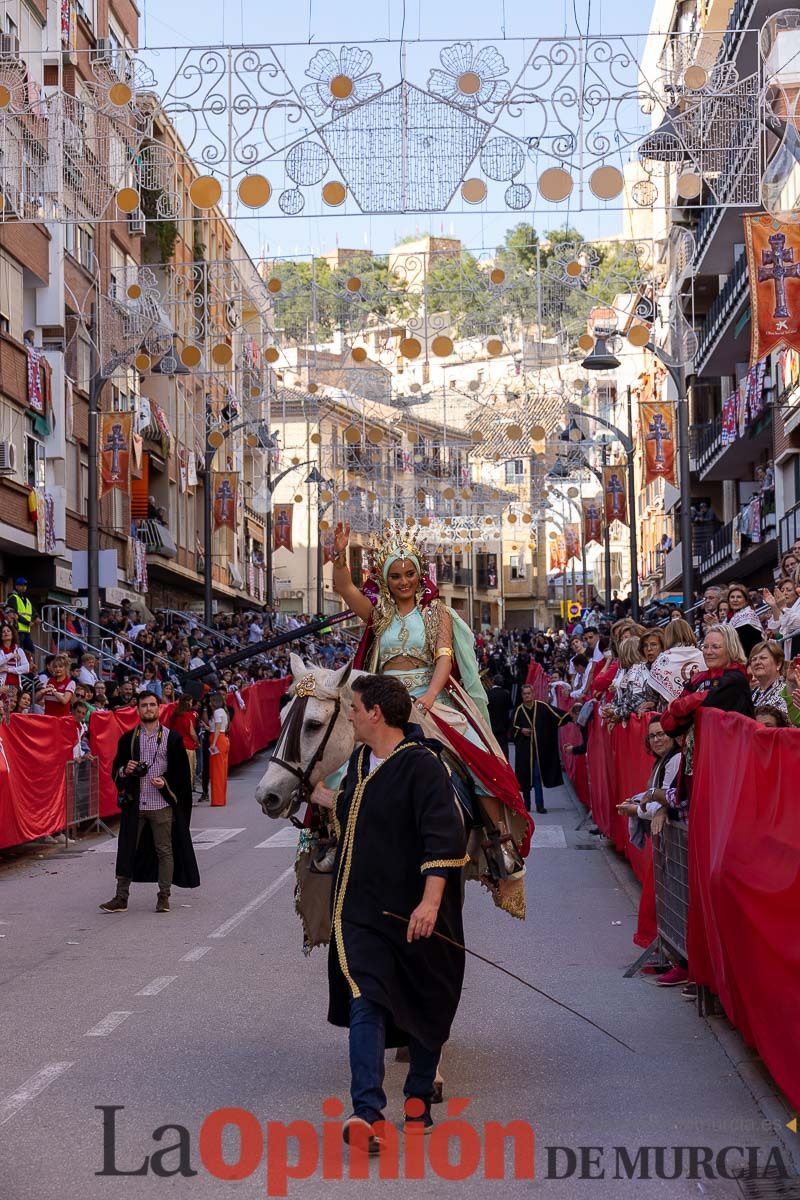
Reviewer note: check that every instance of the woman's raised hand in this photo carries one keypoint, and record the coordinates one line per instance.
(341, 538)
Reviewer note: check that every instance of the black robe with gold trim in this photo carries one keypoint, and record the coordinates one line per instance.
(395, 826)
(541, 745)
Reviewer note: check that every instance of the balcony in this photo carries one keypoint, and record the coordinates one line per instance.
(715, 459)
(157, 538)
(789, 528)
(13, 370)
(721, 311)
(732, 554)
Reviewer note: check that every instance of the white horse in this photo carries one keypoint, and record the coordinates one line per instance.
(316, 737)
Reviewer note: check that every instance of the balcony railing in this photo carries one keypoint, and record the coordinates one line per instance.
(705, 442)
(721, 309)
(157, 538)
(790, 528)
(714, 551)
(737, 23)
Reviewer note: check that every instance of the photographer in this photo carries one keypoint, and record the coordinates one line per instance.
(151, 772)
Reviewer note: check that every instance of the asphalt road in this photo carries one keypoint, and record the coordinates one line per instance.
(172, 1017)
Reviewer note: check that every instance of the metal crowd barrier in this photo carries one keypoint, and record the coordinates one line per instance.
(671, 878)
(82, 792)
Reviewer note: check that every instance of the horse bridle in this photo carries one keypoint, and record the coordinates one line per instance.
(306, 687)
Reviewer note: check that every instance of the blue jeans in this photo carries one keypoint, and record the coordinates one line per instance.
(538, 793)
(367, 1050)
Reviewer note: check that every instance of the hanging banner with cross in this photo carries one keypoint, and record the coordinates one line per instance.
(572, 541)
(773, 261)
(282, 527)
(657, 422)
(558, 553)
(592, 522)
(115, 452)
(616, 507)
(225, 488)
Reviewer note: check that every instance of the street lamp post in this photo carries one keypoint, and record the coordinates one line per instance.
(678, 377)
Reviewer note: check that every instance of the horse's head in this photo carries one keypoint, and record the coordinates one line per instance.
(314, 730)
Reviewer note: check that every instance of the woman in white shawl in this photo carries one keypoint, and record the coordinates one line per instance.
(677, 663)
(743, 617)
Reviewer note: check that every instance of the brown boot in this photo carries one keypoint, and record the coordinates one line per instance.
(118, 904)
(162, 904)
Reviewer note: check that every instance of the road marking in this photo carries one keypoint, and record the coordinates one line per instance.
(284, 837)
(108, 1024)
(237, 918)
(194, 955)
(549, 837)
(206, 838)
(157, 985)
(30, 1089)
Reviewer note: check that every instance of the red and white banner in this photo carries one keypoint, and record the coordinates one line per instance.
(282, 515)
(657, 420)
(773, 261)
(115, 452)
(616, 506)
(225, 492)
(592, 522)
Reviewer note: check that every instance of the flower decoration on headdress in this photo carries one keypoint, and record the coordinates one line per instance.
(397, 543)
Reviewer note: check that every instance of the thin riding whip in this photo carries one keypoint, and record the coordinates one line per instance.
(444, 938)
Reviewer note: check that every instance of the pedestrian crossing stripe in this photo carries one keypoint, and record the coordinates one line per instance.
(284, 837)
(202, 839)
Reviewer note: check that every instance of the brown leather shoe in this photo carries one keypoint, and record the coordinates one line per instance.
(115, 905)
(162, 904)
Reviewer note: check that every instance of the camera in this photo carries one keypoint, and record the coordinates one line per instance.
(140, 770)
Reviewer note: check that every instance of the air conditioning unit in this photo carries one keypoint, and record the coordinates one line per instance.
(136, 223)
(9, 46)
(8, 458)
(103, 51)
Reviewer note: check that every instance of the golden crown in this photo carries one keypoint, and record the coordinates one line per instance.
(398, 542)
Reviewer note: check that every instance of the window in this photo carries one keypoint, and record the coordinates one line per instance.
(86, 247)
(515, 470)
(34, 462)
(83, 498)
(517, 566)
(5, 325)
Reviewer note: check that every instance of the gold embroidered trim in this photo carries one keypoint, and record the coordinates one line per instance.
(445, 862)
(347, 858)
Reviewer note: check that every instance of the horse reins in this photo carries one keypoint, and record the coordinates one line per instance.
(303, 775)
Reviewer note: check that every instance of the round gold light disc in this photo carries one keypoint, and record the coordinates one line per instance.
(473, 191)
(411, 435)
(639, 335)
(326, 497)
(315, 439)
(127, 199)
(586, 342)
(295, 461)
(142, 362)
(343, 495)
(689, 185)
(410, 348)
(255, 392)
(274, 285)
(298, 499)
(372, 497)
(120, 94)
(420, 494)
(512, 519)
(205, 191)
(514, 432)
(696, 77)
(477, 435)
(449, 493)
(526, 517)
(352, 435)
(354, 284)
(313, 388)
(442, 346)
(497, 276)
(538, 433)
(191, 356)
(494, 347)
(466, 493)
(359, 354)
(606, 183)
(324, 526)
(252, 439)
(334, 193)
(272, 354)
(469, 82)
(134, 292)
(375, 436)
(555, 184)
(254, 191)
(221, 354)
(572, 492)
(425, 521)
(215, 438)
(5, 96)
(341, 87)
(573, 268)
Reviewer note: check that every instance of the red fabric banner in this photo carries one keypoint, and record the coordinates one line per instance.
(773, 263)
(105, 730)
(115, 452)
(616, 505)
(658, 437)
(32, 800)
(282, 527)
(225, 493)
(592, 522)
(744, 883)
(254, 727)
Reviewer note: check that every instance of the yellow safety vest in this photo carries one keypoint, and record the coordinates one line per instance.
(24, 611)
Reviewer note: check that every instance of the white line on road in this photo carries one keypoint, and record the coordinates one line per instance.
(197, 953)
(284, 837)
(549, 837)
(30, 1089)
(108, 1024)
(255, 903)
(157, 985)
(204, 839)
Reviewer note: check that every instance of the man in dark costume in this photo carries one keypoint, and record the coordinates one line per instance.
(152, 776)
(499, 704)
(401, 847)
(536, 759)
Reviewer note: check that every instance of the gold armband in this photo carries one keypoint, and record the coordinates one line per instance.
(442, 651)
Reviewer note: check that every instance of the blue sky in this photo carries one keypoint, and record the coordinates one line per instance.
(202, 23)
